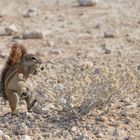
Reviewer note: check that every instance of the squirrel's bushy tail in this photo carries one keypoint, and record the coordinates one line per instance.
(16, 54)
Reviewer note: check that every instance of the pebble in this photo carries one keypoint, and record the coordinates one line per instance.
(138, 67)
(82, 137)
(25, 137)
(116, 133)
(56, 51)
(88, 2)
(99, 135)
(11, 30)
(3, 55)
(50, 44)
(32, 35)
(1, 132)
(37, 109)
(74, 129)
(20, 128)
(132, 106)
(31, 12)
(109, 34)
(102, 119)
(97, 26)
(5, 137)
(69, 42)
(85, 64)
(105, 49)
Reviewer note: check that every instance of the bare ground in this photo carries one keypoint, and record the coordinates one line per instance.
(78, 33)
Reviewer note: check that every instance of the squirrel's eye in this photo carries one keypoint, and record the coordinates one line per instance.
(33, 58)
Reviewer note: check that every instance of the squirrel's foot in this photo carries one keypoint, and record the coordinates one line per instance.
(15, 113)
(31, 105)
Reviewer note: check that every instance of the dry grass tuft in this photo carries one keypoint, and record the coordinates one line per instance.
(76, 91)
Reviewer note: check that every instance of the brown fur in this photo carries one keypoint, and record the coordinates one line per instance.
(18, 67)
(16, 54)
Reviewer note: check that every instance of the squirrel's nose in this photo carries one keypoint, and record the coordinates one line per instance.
(41, 67)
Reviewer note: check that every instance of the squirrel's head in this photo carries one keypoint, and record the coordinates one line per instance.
(32, 63)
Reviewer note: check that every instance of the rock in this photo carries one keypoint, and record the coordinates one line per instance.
(105, 49)
(74, 129)
(11, 30)
(102, 119)
(32, 35)
(116, 133)
(24, 115)
(100, 135)
(85, 65)
(69, 42)
(20, 128)
(88, 2)
(40, 138)
(50, 44)
(31, 12)
(25, 137)
(56, 51)
(37, 109)
(5, 137)
(82, 137)
(97, 26)
(109, 34)
(3, 55)
(38, 117)
(132, 106)
(1, 132)
(138, 68)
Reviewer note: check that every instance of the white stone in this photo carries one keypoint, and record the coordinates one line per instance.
(5, 137)
(11, 30)
(74, 129)
(25, 137)
(1, 132)
(56, 51)
(3, 55)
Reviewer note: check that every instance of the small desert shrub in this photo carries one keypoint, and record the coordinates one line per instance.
(77, 90)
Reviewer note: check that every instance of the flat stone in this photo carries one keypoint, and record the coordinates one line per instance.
(20, 128)
(25, 137)
(32, 35)
(11, 30)
(108, 34)
(31, 12)
(88, 2)
(56, 51)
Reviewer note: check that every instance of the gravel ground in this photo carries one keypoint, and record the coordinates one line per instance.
(62, 32)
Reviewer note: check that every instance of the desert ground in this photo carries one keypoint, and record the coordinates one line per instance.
(76, 43)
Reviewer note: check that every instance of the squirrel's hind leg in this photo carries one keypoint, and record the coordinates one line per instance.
(13, 99)
(30, 101)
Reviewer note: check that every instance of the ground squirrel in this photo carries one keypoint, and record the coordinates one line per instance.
(18, 67)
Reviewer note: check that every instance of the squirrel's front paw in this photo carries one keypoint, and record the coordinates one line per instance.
(15, 113)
